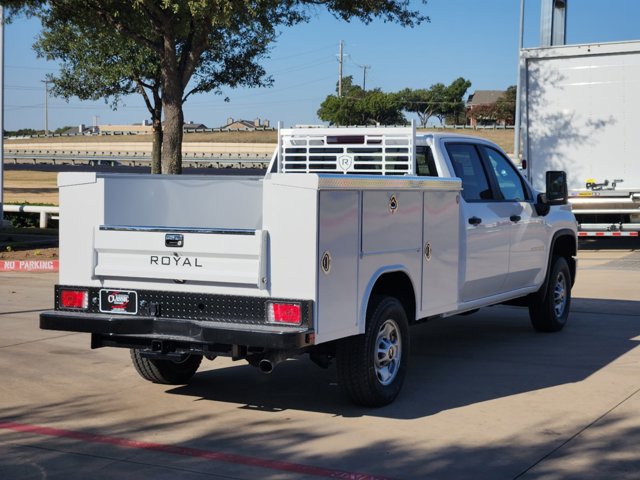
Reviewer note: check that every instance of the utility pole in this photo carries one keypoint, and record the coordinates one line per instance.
(364, 76)
(46, 106)
(340, 71)
(1, 116)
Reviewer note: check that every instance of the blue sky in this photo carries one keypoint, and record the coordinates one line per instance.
(475, 39)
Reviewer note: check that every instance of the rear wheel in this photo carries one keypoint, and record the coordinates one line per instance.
(372, 367)
(164, 371)
(549, 308)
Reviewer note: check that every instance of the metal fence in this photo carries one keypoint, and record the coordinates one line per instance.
(46, 212)
(194, 159)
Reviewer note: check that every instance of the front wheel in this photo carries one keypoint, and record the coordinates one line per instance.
(372, 367)
(549, 308)
(164, 371)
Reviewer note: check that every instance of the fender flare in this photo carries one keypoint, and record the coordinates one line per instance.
(564, 232)
(373, 281)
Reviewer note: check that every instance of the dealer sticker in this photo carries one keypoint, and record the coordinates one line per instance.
(118, 301)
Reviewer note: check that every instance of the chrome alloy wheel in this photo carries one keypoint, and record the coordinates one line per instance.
(388, 352)
(560, 294)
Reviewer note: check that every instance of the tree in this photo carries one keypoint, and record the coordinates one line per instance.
(425, 103)
(95, 64)
(454, 103)
(205, 45)
(436, 101)
(506, 106)
(382, 108)
(357, 107)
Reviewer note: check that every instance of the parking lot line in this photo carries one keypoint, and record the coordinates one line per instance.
(188, 452)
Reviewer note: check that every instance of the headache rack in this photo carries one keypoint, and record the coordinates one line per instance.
(359, 150)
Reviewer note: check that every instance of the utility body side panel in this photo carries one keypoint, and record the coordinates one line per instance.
(440, 254)
(338, 261)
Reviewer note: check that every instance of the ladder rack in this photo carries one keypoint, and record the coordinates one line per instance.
(354, 150)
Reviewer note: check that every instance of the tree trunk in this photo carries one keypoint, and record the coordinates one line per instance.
(156, 147)
(172, 135)
(172, 93)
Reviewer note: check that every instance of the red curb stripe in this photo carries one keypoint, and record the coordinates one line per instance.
(29, 265)
(189, 452)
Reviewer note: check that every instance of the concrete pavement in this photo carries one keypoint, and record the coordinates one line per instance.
(485, 398)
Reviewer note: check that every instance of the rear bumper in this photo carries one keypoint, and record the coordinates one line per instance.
(179, 330)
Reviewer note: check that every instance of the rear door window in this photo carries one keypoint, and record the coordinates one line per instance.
(468, 165)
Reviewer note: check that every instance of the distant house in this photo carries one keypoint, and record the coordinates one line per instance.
(480, 107)
(190, 126)
(247, 125)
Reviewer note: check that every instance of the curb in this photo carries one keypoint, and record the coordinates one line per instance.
(43, 266)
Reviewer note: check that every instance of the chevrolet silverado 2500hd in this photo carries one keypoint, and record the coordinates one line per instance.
(352, 236)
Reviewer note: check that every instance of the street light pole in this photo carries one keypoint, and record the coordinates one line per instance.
(340, 59)
(518, 120)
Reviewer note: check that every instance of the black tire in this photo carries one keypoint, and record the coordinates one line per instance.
(163, 371)
(549, 308)
(372, 367)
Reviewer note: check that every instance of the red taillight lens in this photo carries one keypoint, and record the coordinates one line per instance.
(74, 299)
(289, 313)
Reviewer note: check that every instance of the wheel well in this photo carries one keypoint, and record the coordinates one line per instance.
(398, 285)
(565, 246)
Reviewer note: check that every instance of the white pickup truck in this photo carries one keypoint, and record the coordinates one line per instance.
(352, 236)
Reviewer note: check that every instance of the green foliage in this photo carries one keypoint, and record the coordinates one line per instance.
(506, 106)
(425, 103)
(437, 101)
(23, 132)
(359, 107)
(454, 100)
(95, 63)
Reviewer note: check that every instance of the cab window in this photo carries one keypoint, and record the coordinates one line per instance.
(509, 182)
(467, 165)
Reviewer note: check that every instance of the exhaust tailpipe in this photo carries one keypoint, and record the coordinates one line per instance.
(266, 366)
(269, 362)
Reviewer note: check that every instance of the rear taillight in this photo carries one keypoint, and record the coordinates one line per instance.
(74, 299)
(288, 313)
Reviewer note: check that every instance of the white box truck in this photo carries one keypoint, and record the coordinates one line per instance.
(353, 235)
(580, 106)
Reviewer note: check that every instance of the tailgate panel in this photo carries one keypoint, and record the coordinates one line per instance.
(206, 255)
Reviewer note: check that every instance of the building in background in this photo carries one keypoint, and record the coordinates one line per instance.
(483, 109)
(247, 125)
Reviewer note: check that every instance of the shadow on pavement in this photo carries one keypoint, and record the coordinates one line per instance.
(454, 362)
(609, 243)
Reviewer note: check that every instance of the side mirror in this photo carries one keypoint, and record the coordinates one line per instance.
(556, 194)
